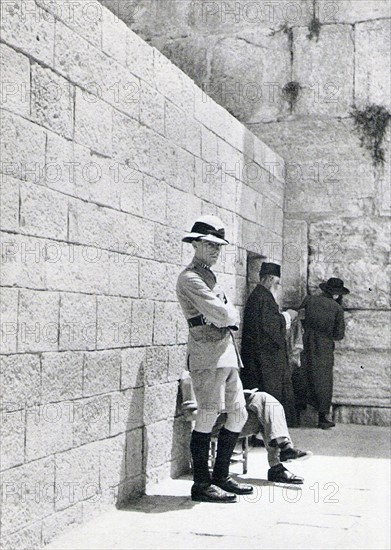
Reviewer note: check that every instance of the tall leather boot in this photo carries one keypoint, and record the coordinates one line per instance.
(225, 446)
(324, 422)
(202, 489)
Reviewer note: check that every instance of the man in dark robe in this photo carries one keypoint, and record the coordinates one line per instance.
(264, 347)
(323, 325)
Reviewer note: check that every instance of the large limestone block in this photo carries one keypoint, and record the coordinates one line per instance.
(101, 372)
(60, 173)
(49, 430)
(247, 76)
(356, 251)
(114, 36)
(77, 474)
(112, 462)
(373, 63)
(29, 536)
(156, 365)
(383, 179)
(152, 280)
(369, 416)
(327, 171)
(134, 453)
(15, 76)
(22, 148)
(93, 123)
(165, 323)
(77, 321)
(38, 319)
(26, 27)
(132, 367)
(114, 322)
(12, 430)
(367, 330)
(190, 54)
(91, 419)
(158, 443)
(142, 322)
(127, 410)
(43, 212)
(9, 204)
(9, 317)
(155, 198)
(29, 494)
(173, 83)
(62, 376)
(325, 70)
(21, 385)
(123, 275)
(351, 11)
(160, 402)
(177, 363)
(151, 108)
(361, 378)
(52, 99)
(139, 58)
(55, 525)
(23, 261)
(294, 262)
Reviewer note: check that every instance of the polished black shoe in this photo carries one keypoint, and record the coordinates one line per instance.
(279, 474)
(206, 492)
(287, 455)
(231, 486)
(326, 424)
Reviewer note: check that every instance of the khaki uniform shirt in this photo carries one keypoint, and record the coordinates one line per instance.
(212, 345)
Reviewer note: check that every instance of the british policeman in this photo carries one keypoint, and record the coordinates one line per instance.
(213, 362)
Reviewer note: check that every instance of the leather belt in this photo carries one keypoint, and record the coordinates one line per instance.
(196, 321)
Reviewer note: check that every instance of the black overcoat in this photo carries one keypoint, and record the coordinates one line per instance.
(264, 350)
(323, 325)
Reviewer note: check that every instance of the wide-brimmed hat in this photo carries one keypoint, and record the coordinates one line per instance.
(207, 228)
(334, 286)
(268, 268)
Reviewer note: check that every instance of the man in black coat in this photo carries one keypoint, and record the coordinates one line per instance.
(264, 348)
(323, 325)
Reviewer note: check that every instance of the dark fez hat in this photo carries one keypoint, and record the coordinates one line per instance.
(270, 269)
(334, 286)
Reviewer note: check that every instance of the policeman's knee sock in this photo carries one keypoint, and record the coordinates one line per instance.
(199, 447)
(281, 442)
(225, 446)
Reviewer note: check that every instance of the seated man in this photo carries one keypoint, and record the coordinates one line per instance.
(265, 415)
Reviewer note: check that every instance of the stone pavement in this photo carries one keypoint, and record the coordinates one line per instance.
(344, 503)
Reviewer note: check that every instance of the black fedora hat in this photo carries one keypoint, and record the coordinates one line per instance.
(334, 286)
(268, 268)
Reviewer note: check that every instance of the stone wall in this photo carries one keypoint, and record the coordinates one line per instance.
(109, 152)
(337, 203)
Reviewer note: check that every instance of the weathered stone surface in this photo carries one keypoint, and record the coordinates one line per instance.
(38, 321)
(248, 73)
(24, 26)
(372, 416)
(361, 378)
(160, 402)
(8, 312)
(190, 54)
(351, 11)
(132, 367)
(176, 361)
(21, 384)
(112, 462)
(156, 366)
(101, 372)
(59, 171)
(134, 453)
(114, 322)
(367, 330)
(58, 523)
(12, 430)
(43, 212)
(77, 321)
(93, 123)
(174, 123)
(184, 178)
(127, 410)
(383, 179)
(22, 149)
(164, 159)
(327, 87)
(124, 275)
(142, 322)
(356, 251)
(157, 444)
(373, 65)
(77, 474)
(168, 244)
(29, 536)
(49, 430)
(294, 263)
(114, 37)
(30, 494)
(139, 58)
(151, 108)
(154, 194)
(151, 276)
(62, 376)
(172, 83)
(91, 420)
(165, 323)
(15, 74)
(131, 142)
(52, 101)
(9, 204)
(326, 170)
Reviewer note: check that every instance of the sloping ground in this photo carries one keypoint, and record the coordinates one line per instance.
(344, 503)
